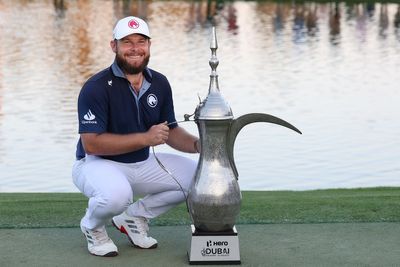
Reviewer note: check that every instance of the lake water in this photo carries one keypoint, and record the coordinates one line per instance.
(332, 70)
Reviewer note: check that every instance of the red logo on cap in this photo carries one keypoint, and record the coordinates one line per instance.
(133, 24)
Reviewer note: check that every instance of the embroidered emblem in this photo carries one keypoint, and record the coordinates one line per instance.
(133, 24)
(152, 100)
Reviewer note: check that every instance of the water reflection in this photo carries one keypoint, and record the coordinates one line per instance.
(232, 18)
(278, 18)
(383, 20)
(303, 16)
(317, 63)
(298, 23)
(311, 19)
(127, 8)
(334, 22)
(396, 23)
(361, 21)
(60, 8)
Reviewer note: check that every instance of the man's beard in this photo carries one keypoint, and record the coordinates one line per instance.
(130, 69)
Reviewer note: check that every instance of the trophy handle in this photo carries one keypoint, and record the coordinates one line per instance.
(242, 121)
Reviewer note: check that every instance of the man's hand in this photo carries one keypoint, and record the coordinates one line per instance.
(158, 134)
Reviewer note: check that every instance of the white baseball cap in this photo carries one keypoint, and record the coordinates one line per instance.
(130, 25)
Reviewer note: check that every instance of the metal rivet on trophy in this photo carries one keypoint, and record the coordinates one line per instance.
(214, 197)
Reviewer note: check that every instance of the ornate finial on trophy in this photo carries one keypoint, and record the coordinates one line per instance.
(213, 62)
(214, 107)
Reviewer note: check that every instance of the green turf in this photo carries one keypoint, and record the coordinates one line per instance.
(382, 204)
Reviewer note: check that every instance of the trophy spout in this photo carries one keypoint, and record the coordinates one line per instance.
(244, 120)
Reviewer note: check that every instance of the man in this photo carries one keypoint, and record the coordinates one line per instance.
(123, 110)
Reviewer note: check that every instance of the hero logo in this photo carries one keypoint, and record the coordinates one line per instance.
(152, 100)
(89, 118)
(133, 24)
(216, 248)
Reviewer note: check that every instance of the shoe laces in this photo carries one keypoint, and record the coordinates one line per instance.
(141, 224)
(98, 235)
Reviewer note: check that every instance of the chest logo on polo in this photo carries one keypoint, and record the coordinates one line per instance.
(152, 100)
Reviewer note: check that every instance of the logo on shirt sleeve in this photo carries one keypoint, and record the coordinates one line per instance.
(152, 100)
(89, 118)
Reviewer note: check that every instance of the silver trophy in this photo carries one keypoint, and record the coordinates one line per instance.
(214, 197)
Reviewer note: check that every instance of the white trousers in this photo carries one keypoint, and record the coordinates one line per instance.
(111, 186)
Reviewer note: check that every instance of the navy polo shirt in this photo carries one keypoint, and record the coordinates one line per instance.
(108, 104)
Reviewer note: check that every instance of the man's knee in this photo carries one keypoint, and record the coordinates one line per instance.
(115, 203)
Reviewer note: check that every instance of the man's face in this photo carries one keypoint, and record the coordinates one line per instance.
(132, 53)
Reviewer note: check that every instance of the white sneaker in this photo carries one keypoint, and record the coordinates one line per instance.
(136, 229)
(99, 243)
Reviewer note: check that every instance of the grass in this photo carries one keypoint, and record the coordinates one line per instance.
(381, 204)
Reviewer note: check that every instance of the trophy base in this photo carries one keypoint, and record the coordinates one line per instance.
(214, 247)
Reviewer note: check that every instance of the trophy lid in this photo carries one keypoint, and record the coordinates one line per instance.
(214, 107)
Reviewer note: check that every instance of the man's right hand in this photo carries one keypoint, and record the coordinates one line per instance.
(158, 134)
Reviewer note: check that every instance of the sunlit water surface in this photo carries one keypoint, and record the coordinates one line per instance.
(331, 70)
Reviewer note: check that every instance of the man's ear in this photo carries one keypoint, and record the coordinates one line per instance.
(113, 45)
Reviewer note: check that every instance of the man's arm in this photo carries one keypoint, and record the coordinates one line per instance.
(107, 144)
(183, 141)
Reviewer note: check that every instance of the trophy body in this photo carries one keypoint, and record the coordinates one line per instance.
(214, 197)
